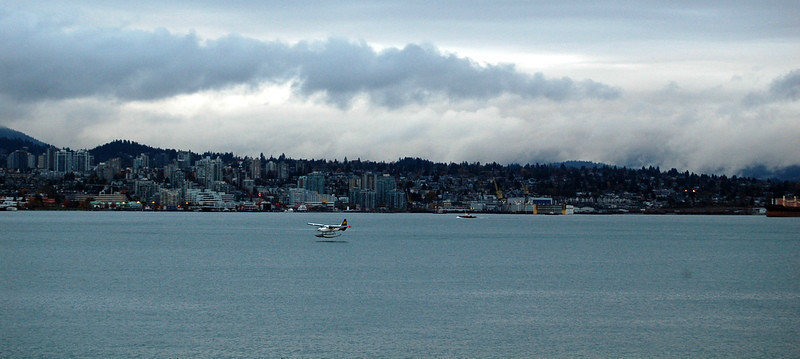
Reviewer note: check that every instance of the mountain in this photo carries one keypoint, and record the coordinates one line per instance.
(8, 133)
(11, 140)
(790, 173)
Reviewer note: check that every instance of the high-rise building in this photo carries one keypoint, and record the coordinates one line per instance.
(19, 160)
(72, 161)
(396, 200)
(146, 190)
(64, 162)
(141, 161)
(368, 181)
(107, 170)
(315, 182)
(367, 200)
(354, 182)
(208, 171)
(115, 164)
(384, 185)
(82, 161)
(249, 185)
(255, 168)
(184, 160)
(283, 170)
(50, 155)
(354, 196)
(271, 169)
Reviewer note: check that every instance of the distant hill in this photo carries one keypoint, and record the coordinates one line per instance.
(579, 164)
(6, 132)
(12, 140)
(791, 173)
(127, 150)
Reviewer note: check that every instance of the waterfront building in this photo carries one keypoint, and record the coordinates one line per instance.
(298, 196)
(170, 198)
(354, 196)
(109, 200)
(145, 190)
(396, 200)
(367, 200)
(384, 185)
(208, 200)
(477, 206)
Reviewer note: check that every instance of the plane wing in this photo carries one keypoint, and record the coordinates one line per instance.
(316, 224)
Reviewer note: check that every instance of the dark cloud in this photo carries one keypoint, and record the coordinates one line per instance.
(786, 87)
(51, 61)
(43, 61)
(783, 88)
(394, 77)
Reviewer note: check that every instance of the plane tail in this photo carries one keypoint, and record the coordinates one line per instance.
(344, 225)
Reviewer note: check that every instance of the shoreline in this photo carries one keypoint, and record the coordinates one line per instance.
(722, 211)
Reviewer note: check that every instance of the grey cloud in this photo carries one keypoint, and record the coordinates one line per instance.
(783, 88)
(786, 87)
(394, 77)
(42, 61)
(49, 61)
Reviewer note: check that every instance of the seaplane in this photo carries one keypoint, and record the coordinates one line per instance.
(328, 231)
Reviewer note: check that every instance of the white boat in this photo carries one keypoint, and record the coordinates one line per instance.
(466, 215)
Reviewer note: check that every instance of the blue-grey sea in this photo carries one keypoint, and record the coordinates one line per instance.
(259, 285)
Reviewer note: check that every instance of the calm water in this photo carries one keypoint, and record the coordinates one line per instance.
(234, 285)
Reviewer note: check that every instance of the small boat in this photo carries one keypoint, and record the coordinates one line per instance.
(466, 215)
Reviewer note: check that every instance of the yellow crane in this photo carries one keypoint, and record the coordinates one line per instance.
(527, 192)
(497, 189)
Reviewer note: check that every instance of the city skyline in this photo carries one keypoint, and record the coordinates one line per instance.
(710, 88)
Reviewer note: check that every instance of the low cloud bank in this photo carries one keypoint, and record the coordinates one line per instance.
(52, 61)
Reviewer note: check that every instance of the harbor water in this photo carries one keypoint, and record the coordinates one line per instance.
(259, 285)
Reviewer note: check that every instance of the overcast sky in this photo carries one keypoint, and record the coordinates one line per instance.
(708, 86)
